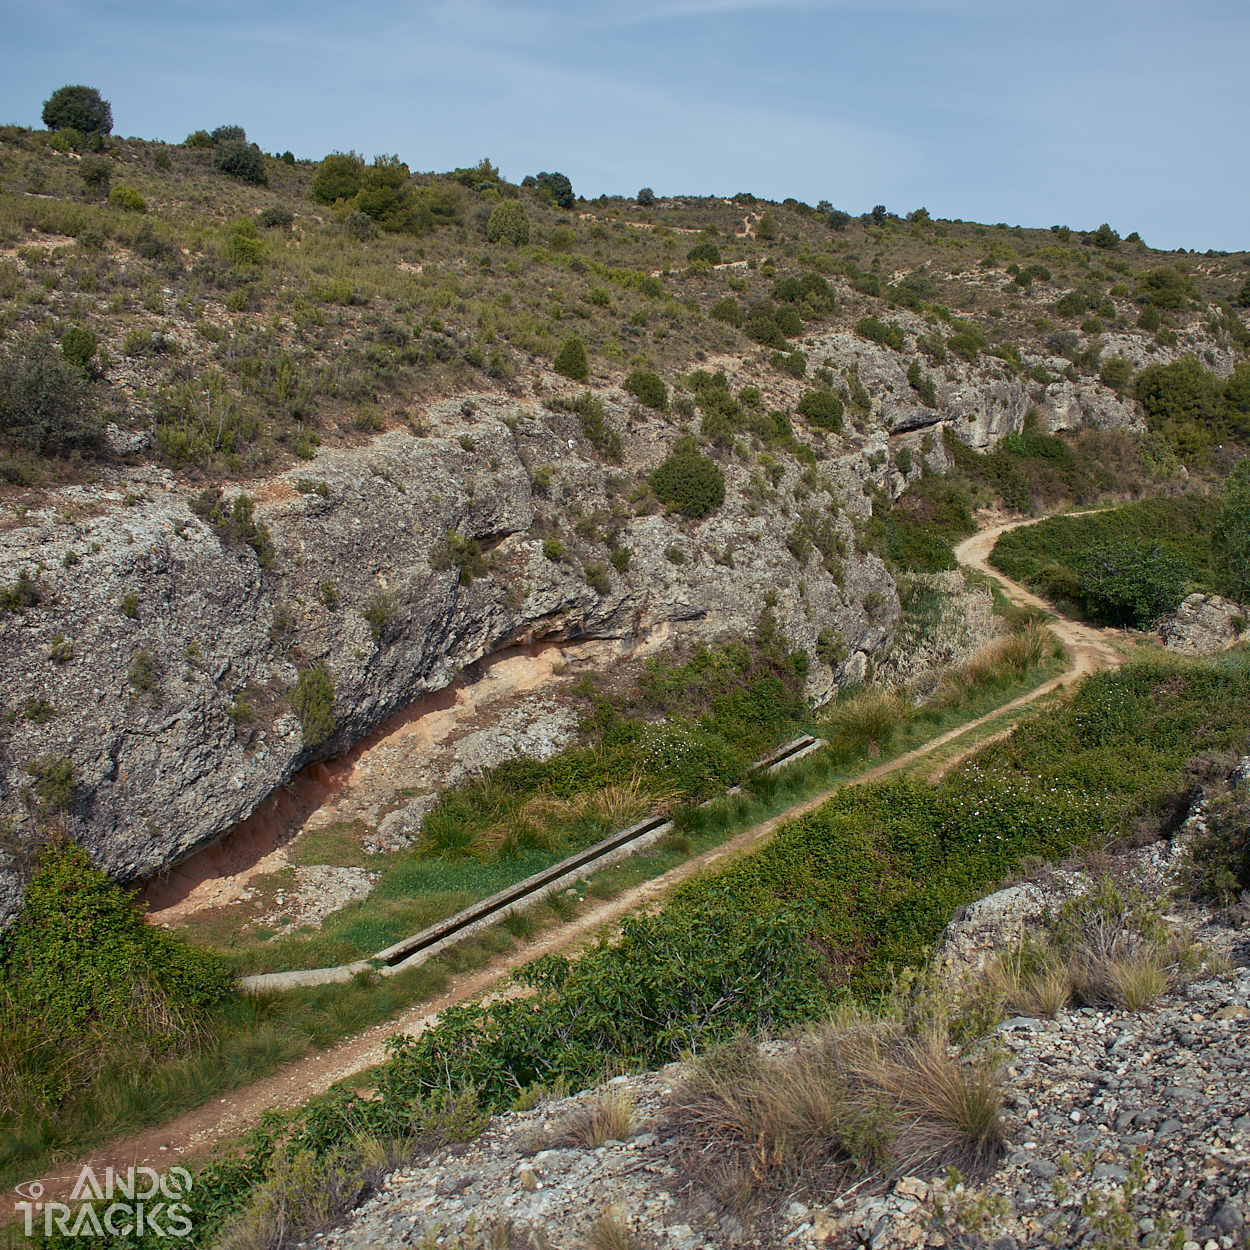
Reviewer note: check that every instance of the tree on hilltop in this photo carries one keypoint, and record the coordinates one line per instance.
(79, 108)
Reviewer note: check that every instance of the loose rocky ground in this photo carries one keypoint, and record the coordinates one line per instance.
(1121, 1128)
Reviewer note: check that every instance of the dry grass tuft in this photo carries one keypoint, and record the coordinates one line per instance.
(610, 1232)
(858, 1091)
(871, 716)
(608, 1117)
(615, 807)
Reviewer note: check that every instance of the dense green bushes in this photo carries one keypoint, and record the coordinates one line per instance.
(242, 161)
(1192, 406)
(46, 406)
(647, 388)
(84, 975)
(877, 331)
(690, 483)
(823, 409)
(1111, 564)
(571, 360)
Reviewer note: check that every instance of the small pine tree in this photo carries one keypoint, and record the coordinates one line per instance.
(572, 362)
(646, 197)
(766, 227)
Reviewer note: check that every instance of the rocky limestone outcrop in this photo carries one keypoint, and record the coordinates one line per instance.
(1203, 625)
(160, 655)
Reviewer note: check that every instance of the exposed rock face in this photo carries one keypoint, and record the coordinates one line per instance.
(170, 626)
(978, 401)
(1203, 625)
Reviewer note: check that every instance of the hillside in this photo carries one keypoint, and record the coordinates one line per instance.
(251, 374)
(372, 539)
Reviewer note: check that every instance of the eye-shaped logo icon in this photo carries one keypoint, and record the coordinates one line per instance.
(31, 1190)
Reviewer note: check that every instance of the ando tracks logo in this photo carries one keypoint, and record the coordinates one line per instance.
(140, 1201)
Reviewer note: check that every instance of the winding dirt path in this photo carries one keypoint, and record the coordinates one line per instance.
(193, 1134)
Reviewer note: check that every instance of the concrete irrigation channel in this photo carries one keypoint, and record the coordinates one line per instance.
(412, 951)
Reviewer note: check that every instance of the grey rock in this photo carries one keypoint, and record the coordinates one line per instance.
(1228, 1219)
(1043, 1168)
(1203, 625)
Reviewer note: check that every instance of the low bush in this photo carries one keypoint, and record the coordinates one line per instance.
(508, 223)
(647, 388)
(46, 405)
(690, 483)
(823, 409)
(921, 384)
(877, 331)
(128, 199)
(312, 699)
(727, 310)
(86, 977)
(571, 361)
(242, 161)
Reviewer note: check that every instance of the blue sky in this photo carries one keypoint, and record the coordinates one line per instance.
(1033, 113)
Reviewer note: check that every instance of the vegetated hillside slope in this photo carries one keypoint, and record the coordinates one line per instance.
(287, 443)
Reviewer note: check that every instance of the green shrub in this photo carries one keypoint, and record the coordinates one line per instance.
(808, 290)
(338, 177)
(645, 197)
(1165, 287)
(602, 437)
(647, 388)
(80, 108)
(689, 482)
(597, 578)
(461, 550)
(1182, 401)
(1131, 583)
(1106, 238)
(620, 559)
(878, 332)
(1150, 319)
(553, 550)
(794, 363)
(1116, 372)
(198, 139)
(789, 322)
(129, 199)
(705, 251)
(557, 187)
(571, 360)
(54, 778)
(276, 217)
(46, 406)
(78, 346)
(922, 385)
(967, 341)
(761, 325)
(508, 223)
(766, 228)
(381, 615)
(312, 699)
(727, 310)
(245, 248)
(96, 172)
(1073, 304)
(241, 161)
(822, 408)
(228, 134)
(21, 595)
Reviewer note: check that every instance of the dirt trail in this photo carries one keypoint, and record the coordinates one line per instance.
(194, 1133)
